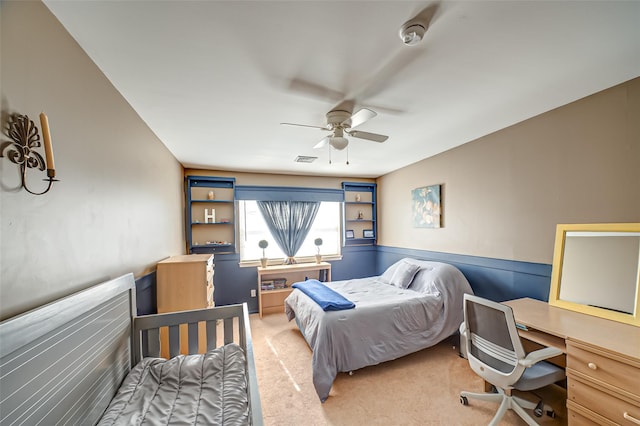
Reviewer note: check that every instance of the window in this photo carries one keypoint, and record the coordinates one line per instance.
(253, 229)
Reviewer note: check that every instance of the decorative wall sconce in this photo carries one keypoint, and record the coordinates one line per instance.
(24, 134)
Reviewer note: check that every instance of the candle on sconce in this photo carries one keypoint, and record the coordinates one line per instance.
(48, 151)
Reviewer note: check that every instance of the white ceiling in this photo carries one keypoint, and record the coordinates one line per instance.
(213, 79)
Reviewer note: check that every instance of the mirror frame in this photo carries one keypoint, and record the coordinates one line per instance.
(556, 273)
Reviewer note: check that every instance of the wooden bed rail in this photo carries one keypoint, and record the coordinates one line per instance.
(147, 330)
(146, 336)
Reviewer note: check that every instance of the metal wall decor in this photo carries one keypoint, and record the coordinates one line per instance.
(21, 151)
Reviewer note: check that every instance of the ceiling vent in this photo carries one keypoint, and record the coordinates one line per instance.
(305, 159)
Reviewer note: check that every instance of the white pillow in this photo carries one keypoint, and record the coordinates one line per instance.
(423, 282)
(388, 273)
(400, 274)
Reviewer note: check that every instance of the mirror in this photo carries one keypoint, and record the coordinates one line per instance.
(596, 270)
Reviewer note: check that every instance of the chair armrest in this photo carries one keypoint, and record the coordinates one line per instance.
(539, 355)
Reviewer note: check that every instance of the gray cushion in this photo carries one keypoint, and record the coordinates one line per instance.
(424, 281)
(400, 274)
(539, 375)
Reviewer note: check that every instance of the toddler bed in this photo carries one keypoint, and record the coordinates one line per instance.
(70, 362)
(413, 305)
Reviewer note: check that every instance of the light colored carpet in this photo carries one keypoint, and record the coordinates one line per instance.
(419, 389)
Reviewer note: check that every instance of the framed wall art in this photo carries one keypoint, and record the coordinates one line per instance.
(426, 207)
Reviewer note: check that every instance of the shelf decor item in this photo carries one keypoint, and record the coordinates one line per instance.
(263, 244)
(318, 243)
(349, 234)
(209, 217)
(367, 233)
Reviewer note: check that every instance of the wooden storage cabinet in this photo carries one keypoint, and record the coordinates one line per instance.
(603, 387)
(184, 283)
(210, 216)
(359, 213)
(272, 301)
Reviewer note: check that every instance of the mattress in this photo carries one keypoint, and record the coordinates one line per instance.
(203, 389)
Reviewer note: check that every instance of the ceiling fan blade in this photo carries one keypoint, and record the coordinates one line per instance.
(315, 90)
(362, 116)
(401, 60)
(304, 125)
(427, 15)
(369, 136)
(322, 143)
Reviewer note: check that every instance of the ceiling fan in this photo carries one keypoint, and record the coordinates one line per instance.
(341, 123)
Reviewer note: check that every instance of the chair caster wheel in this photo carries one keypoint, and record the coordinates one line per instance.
(539, 409)
(464, 400)
(551, 414)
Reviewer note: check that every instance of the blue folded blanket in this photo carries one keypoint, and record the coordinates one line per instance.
(328, 299)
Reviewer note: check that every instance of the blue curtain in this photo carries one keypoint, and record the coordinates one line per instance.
(289, 223)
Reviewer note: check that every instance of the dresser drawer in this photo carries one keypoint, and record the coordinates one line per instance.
(602, 402)
(579, 416)
(604, 368)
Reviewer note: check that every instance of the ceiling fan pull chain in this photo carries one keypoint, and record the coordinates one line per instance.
(347, 155)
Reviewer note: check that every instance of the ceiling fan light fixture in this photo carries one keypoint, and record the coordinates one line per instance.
(412, 33)
(338, 143)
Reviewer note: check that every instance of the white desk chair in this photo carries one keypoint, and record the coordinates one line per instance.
(495, 353)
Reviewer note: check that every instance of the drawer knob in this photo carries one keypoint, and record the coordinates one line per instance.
(592, 366)
(631, 418)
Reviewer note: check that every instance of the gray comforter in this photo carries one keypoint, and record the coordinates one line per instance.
(206, 389)
(387, 323)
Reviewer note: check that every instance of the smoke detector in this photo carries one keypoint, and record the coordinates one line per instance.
(412, 32)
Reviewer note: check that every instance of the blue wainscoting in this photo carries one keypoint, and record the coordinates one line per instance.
(494, 279)
(146, 302)
(357, 262)
(233, 284)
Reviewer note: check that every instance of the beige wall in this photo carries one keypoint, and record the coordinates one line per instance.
(503, 194)
(118, 205)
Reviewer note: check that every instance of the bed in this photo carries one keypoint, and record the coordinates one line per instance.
(87, 359)
(413, 305)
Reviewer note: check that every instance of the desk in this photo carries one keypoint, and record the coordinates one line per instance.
(272, 301)
(602, 359)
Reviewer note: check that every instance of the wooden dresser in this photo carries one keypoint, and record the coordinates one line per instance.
(602, 359)
(183, 283)
(603, 387)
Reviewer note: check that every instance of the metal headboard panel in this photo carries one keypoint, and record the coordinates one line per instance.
(62, 363)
